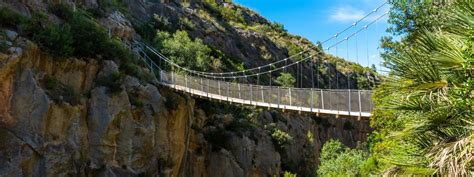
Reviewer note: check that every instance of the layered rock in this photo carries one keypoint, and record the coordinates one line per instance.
(167, 135)
(144, 129)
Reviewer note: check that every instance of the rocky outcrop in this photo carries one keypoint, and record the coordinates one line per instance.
(143, 129)
(168, 134)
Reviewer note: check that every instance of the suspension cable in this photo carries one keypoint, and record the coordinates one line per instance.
(282, 67)
(288, 58)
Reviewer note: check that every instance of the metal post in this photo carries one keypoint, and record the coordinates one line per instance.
(172, 80)
(228, 90)
(161, 76)
(312, 104)
(219, 86)
(289, 93)
(360, 106)
(202, 86)
(349, 102)
(208, 83)
(322, 99)
(261, 90)
(251, 94)
(279, 98)
(186, 82)
(240, 93)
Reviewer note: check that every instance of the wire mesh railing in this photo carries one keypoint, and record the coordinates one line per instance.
(326, 101)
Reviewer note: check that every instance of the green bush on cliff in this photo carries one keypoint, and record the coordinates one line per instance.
(184, 51)
(113, 82)
(339, 160)
(281, 138)
(52, 38)
(10, 18)
(286, 80)
(56, 40)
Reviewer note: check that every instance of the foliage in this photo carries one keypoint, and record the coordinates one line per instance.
(338, 160)
(185, 23)
(423, 112)
(184, 51)
(55, 39)
(135, 100)
(3, 42)
(115, 4)
(286, 80)
(310, 137)
(281, 138)
(113, 82)
(3, 47)
(9, 18)
(289, 174)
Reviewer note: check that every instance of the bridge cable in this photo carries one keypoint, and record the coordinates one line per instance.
(300, 53)
(207, 76)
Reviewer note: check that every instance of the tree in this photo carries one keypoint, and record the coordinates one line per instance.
(408, 17)
(424, 110)
(184, 51)
(286, 80)
(373, 68)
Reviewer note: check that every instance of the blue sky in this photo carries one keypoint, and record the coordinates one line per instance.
(319, 20)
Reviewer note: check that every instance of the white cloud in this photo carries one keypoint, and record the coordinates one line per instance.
(346, 14)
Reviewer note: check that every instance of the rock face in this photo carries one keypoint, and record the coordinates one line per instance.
(144, 129)
(169, 134)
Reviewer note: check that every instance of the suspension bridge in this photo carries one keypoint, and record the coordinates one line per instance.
(234, 87)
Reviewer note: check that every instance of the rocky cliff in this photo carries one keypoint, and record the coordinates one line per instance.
(57, 118)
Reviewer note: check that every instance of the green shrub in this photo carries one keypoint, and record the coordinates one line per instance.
(289, 174)
(185, 23)
(281, 138)
(3, 47)
(113, 82)
(184, 51)
(286, 80)
(135, 100)
(113, 4)
(50, 82)
(55, 39)
(89, 37)
(63, 11)
(3, 44)
(10, 18)
(338, 160)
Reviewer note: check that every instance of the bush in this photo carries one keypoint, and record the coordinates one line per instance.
(3, 44)
(9, 18)
(338, 160)
(55, 39)
(89, 37)
(281, 138)
(3, 47)
(63, 11)
(113, 82)
(184, 51)
(286, 80)
(289, 174)
(135, 100)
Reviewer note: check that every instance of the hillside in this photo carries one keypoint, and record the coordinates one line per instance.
(75, 100)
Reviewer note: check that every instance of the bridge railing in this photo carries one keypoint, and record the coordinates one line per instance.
(347, 102)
